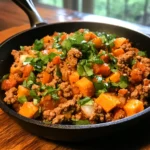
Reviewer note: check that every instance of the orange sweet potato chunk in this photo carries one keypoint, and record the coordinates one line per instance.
(85, 86)
(133, 106)
(107, 101)
(28, 109)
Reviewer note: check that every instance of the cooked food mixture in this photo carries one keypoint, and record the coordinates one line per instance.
(78, 78)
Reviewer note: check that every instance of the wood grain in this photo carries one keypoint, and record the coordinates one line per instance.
(14, 137)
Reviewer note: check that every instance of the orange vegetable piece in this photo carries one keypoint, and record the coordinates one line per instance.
(133, 106)
(97, 42)
(56, 60)
(8, 84)
(103, 69)
(119, 114)
(15, 69)
(74, 77)
(105, 58)
(136, 75)
(85, 86)
(119, 41)
(122, 92)
(47, 39)
(27, 70)
(90, 35)
(28, 109)
(46, 77)
(75, 90)
(22, 91)
(118, 52)
(47, 103)
(64, 36)
(141, 66)
(107, 101)
(115, 77)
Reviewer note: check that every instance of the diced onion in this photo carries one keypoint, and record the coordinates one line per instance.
(88, 110)
(23, 57)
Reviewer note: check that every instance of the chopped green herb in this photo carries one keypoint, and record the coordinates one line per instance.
(107, 39)
(58, 72)
(4, 77)
(47, 122)
(113, 67)
(142, 53)
(22, 48)
(30, 80)
(123, 83)
(55, 96)
(22, 99)
(84, 68)
(80, 122)
(84, 101)
(34, 95)
(52, 91)
(38, 45)
(133, 62)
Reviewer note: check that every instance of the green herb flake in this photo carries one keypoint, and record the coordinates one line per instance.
(84, 68)
(80, 122)
(84, 101)
(123, 83)
(38, 45)
(30, 80)
(47, 122)
(58, 72)
(21, 48)
(22, 99)
(142, 53)
(6, 76)
(133, 62)
(34, 95)
(52, 91)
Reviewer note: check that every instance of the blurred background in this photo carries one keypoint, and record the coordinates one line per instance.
(135, 11)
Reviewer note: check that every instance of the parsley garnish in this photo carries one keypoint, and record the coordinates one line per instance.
(30, 80)
(142, 53)
(52, 91)
(38, 45)
(84, 101)
(80, 122)
(22, 48)
(123, 83)
(39, 62)
(84, 68)
(22, 99)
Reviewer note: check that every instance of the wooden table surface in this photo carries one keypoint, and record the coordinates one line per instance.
(12, 136)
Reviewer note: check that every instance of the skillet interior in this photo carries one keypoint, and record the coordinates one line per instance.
(69, 132)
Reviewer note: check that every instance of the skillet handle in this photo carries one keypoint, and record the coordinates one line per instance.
(30, 10)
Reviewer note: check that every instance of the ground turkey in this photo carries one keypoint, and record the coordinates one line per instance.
(11, 96)
(73, 56)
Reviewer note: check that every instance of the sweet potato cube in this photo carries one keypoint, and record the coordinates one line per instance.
(74, 77)
(85, 86)
(107, 101)
(133, 106)
(28, 109)
(119, 41)
(22, 91)
(115, 77)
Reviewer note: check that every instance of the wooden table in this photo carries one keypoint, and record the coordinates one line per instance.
(12, 136)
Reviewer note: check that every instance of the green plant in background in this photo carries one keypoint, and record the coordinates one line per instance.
(58, 3)
(136, 11)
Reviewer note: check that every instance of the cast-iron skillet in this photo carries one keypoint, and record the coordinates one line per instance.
(66, 132)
